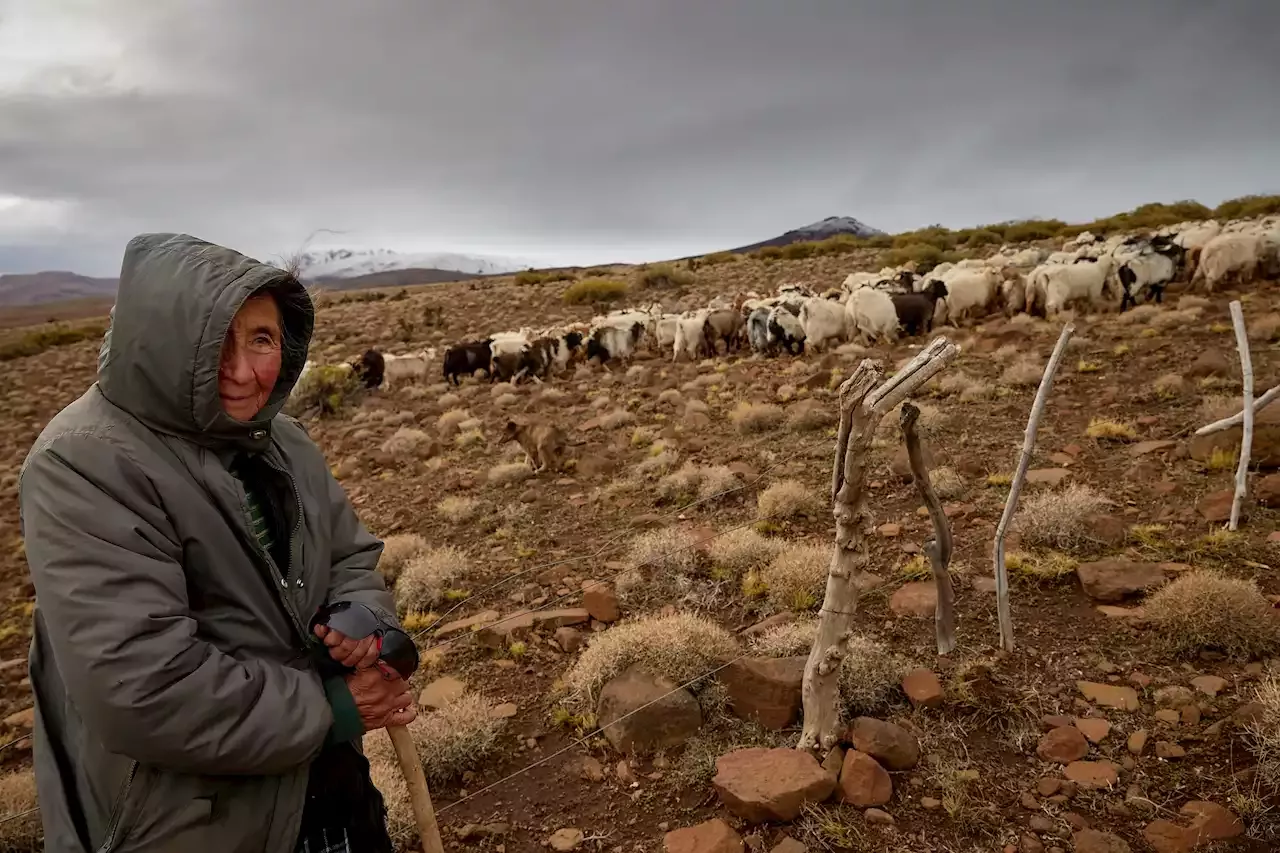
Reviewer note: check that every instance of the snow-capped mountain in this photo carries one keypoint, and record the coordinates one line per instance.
(352, 263)
(820, 230)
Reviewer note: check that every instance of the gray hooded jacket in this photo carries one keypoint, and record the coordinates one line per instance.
(177, 705)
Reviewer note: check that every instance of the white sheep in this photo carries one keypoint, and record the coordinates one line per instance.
(1061, 284)
(870, 314)
(1232, 253)
(970, 291)
(690, 337)
(823, 320)
(413, 366)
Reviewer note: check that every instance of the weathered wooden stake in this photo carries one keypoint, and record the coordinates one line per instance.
(424, 814)
(1246, 410)
(939, 547)
(1024, 461)
(1227, 423)
(861, 410)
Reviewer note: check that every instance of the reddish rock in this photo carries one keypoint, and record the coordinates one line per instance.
(1142, 448)
(1209, 822)
(863, 782)
(714, 836)
(760, 784)
(1116, 578)
(1209, 685)
(568, 639)
(889, 530)
(766, 690)
(1109, 695)
(1265, 453)
(783, 618)
(1064, 745)
(919, 598)
(1092, 774)
(642, 712)
(1094, 841)
(1216, 506)
(1209, 363)
(600, 601)
(923, 688)
(1094, 728)
(522, 623)
(890, 744)
(1046, 476)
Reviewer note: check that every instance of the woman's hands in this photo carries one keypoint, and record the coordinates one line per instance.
(381, 695)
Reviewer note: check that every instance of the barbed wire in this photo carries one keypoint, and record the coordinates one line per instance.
(614, 541)
(19, 815)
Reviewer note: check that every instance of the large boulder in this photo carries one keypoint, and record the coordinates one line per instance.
(1116, 578)
(642, 712)
(766, 690)
(890, 744)
(863, 782)
(760, 784)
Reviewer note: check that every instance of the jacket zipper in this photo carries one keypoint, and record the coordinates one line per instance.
(118, 812)
(283, 589)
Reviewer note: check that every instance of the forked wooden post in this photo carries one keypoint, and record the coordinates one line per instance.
(861, 410)
(1227, 423)
(1011, 503)
(1246, 409)
(939, 547)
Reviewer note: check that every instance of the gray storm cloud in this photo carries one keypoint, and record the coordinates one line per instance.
(596, 130)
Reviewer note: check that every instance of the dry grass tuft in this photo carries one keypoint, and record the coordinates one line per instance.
(458, 509)
(785, 641)
(405, 442)
(617, 418)
(397, 550)
(448, 423)
(807, 417)
(426, 576)
(741, 550)
(978, 391)
(1059, 519)
(1136, 315)
(751, 418)
(1203, 610)
(450, 740)
(1265, 328)
(1105, 429)
(870, 677)
(1023, 373)
(659, 561)
(1168, 386)
(1215, 407)
(796, 577)
(1176, 319)
(671, 397)
(947, 482)
(718, 484)
(1263, 733)
(680, 646)
(787, 499)
(448, 401)
(1191, 301)
(680, 486)
(18, 795)
(511, 472)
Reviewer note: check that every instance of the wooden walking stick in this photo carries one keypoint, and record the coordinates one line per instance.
(396, 650)
(424, 814)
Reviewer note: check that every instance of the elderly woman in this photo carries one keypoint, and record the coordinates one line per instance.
(181, 533)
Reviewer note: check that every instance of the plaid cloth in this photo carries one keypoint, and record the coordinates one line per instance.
(338, 843)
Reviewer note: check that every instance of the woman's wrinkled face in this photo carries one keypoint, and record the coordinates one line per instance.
(251, 358)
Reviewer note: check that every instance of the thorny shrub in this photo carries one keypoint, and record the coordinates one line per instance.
(1203, 610)
(786, 499)
(1059, 519)
(426, 576)
(398, 549)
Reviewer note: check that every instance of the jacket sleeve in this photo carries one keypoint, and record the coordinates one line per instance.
(110, 584)
(354, 554)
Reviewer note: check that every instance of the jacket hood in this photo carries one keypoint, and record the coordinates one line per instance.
(160, 356)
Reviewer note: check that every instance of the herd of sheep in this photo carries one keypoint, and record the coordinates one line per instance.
(1087, 273)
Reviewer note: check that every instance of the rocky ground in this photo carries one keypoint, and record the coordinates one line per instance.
(696, 508)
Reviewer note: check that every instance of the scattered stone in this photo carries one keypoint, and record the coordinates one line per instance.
(1209, 685)
(863, 782)
(1266, 490)
(565, 840)
(923, 688)
(1132, 614)
(1190, 715)
(634, 725)
(1109, 695)
(1168, 715)
(918, 598)
(1209, 363)
(1142, 448)
(1116, 578)
(624, 773)
(889, 530)
(759, 784)
(1094, 841)
(1167, 750)
(462, 626)
(1046, 476)
(1053, 721)
(1040, 823)
(441, 692)
(878, 817)
(1137, 742)
(1209, 822)
(930, 803)
(505, 711)
(714, 836)
(1029, 801)
(783, 618)
(476, 831)
(1174, 696)
(1030, 844)
(522, 623)
(1216, 506)
(789, 845)
(1094, 728)
(766, 690)
(1047, 786)
(600, 600)
(591, 770)
(1092, 774)
(1063, 745)
(1249, 712)
(568, 639)
(890, 744)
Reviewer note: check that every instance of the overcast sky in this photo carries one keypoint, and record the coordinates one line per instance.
(596, 130)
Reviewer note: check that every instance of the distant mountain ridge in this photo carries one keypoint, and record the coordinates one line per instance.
(38, 288)
(820, 230)
(340, 263)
